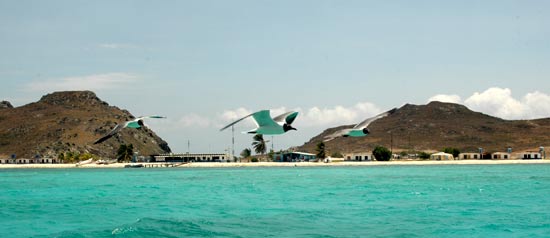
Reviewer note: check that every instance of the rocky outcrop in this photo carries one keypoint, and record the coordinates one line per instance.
(5, 104)
(73, 98)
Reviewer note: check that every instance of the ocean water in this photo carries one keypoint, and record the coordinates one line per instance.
(377, 201)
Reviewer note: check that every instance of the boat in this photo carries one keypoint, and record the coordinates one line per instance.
(133, 166)
(84, 162)
(107, 161)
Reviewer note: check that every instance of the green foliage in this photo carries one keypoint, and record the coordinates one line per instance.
(259, 144)
(60, 157)
(337, 155)
(85, 156)
(320, 150)
(246, 153)
(270, 155)
(125, 153)
(381, 153)
(73, 157)
(423, 155)
(69, 156)
(454, 151)
(254, 159)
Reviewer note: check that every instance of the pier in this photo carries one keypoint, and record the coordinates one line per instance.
(153, 165)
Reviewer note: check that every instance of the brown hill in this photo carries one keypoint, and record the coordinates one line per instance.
(70, 121)
(438, 125)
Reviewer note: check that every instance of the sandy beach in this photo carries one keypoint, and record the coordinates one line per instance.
(281, 164)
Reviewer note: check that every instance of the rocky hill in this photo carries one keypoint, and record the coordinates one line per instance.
(437, 125)
(70, 121)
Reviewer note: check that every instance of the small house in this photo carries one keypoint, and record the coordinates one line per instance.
(362, 156)
(530, 155)
(442, 156)
(501, 155)
(469, 156)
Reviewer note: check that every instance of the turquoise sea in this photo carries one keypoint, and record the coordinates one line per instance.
(372, 201)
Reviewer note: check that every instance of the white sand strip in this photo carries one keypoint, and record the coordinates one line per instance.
(284, 164)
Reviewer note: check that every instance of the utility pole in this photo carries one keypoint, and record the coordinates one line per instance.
(188, 146)
(391, 142)
(233, 143)
(480, 153)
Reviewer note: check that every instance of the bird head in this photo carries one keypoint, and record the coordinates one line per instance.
(366, 131)
(288, 127)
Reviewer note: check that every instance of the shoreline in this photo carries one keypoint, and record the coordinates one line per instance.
(284, 164)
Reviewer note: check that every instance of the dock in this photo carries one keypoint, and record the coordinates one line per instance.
(162, 165)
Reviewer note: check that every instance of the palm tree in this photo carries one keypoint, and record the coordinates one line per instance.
(259, 144)
(320, 151)
(246, 153)
(125, 153)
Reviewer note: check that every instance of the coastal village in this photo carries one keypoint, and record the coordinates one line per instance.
(294, 157)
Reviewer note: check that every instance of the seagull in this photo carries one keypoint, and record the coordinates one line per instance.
(359, 129)
(136, 123)
(267, 125)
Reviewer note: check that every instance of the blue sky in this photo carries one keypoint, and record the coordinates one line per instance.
(205, 63)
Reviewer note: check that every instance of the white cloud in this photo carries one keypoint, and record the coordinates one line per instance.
(446, 98)
(232, 115)
(193, 120)
(499, 102)
(338, 115)
(537, 104)
(89, 82)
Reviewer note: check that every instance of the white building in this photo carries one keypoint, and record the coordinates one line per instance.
(442, 156)
(363, 156)
(469, 156)
(530, 155)
(192, 157)
(501, 155)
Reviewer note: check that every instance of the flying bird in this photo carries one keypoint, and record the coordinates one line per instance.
(267, 125)
(136, 123)
(359, 129)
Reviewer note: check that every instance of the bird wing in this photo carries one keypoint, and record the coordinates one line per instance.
(368, 121)
(336, 134)
(151, 116)
(287, 117)
(263, 118)
(235, 122)
(115, 130)
(138, 122)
